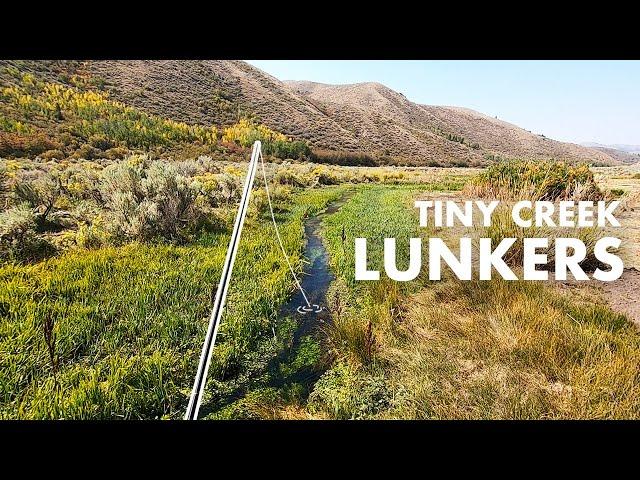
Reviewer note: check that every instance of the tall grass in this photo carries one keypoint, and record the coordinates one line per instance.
(125, 325)
(535, 180)
(512, 350)
(464, 349)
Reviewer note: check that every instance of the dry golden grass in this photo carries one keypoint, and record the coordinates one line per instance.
(510, 350)
(469, 349)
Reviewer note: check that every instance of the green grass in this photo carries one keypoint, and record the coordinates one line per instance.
(464, 349)
(374, 212)
(129, 322)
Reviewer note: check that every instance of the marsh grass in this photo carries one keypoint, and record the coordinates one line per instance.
(503, 226)
(125, 325)
(537, 180)
(465, 349)
(516, 180)
(512, 350)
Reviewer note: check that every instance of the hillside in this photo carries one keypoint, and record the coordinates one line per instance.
(616, 146)
(628, 154)
(366, 118)
(620, 155)
(382, 116)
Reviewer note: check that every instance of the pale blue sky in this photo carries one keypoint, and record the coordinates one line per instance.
(575, 101)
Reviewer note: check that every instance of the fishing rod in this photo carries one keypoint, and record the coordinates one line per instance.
(216, 314)
(218, 305)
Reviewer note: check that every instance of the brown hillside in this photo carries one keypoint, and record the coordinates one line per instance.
(366, 117)
(219, 92)
(620, 155)
(376, 111)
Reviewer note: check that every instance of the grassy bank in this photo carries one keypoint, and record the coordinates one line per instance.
(453, 349)
(116, 332)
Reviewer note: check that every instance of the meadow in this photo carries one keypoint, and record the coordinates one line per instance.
(463, 350)
(126, 323)
(108, 271)
(102, 316)
(114, 224)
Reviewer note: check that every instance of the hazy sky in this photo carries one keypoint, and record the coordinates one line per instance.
(576, 101)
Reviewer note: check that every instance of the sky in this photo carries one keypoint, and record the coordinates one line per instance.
(573, 101)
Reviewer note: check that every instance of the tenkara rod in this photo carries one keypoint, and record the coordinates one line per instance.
(221, 294)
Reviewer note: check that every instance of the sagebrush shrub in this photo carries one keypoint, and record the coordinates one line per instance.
(18, 238)
(148, 202)
(81, 181)
(229, 188)
(287, 176)
(40, 191)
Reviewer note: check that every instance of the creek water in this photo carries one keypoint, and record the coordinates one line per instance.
(316, 277)
(315, 281)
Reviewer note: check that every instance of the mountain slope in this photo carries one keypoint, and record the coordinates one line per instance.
(616, 146)
(375, 111)
(620, 155)
(628, 154)
(219, 92)
(368, 117)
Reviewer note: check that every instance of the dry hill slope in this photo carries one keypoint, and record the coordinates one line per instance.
(219, 92)
(376, 112)
(366, 117)
(620, 155)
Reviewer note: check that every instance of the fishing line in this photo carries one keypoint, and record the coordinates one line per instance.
(197, 393)
(303, 309)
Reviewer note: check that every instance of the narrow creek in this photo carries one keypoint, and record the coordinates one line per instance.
(315, 280)
(317, 275)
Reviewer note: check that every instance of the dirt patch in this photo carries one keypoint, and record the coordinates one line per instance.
(624, 294)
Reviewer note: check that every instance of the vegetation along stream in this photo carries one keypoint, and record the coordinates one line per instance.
(293, 371)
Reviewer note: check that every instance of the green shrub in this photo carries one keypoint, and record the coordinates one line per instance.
(91, 236)
(348, 392)
(81, 181)
(147, 202)
(285, 149)
(18, 238)
(325, 176)
(287, 176)
(343, 158)
(101, 142)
